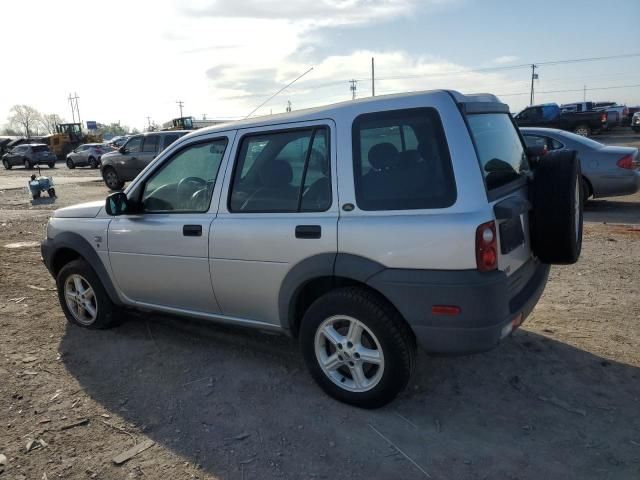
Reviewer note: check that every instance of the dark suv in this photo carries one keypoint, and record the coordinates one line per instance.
(29, 154)
(124, 164)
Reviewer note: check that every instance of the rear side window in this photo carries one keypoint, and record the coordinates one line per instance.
(285, 171)
(151, 143)
(40, 148)
(169, 139)
(500, 150)
(401, 161)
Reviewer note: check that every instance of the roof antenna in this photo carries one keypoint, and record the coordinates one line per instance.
(279, 91)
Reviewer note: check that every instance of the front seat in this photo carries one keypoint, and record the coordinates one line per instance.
(276, 192)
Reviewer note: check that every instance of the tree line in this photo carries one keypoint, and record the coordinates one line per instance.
(26, 121)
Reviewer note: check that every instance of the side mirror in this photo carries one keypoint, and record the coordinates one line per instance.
(122, 149)
(117, 204)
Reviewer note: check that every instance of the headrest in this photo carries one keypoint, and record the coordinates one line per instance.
(275, 174)
(382, 156)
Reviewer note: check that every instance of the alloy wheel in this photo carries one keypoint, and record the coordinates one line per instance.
(81, 299)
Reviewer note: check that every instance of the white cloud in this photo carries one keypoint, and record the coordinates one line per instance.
(505, 59)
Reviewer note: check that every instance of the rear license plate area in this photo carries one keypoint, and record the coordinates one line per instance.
(511, 235)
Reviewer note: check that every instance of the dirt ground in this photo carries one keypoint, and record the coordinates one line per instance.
(558, 400)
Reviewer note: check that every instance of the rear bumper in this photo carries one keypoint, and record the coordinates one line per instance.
(617, 185)
(488, 303)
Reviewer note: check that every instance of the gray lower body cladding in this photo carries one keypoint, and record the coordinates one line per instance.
(487, 301)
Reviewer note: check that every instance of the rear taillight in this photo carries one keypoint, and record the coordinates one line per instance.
(486, 247)
(603, 118)
(628, 162)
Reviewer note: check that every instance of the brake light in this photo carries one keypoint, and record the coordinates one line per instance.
(603, 118)
(628, 162)
(486, 247)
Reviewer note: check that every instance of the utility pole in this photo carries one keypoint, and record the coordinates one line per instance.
(534, 76)
(353, 87)
(288, 105)
(73, 101)
(204, 116)
(180, 104)
(373, 77)
(149, 123)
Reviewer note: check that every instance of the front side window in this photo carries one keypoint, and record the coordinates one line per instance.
(134, 145)
(185, 182)
(500, 150)
(401, 161)
(151, 143)
(282, 172)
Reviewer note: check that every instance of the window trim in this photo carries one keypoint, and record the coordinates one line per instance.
(142, 185)
(258, 133)
(357, 155)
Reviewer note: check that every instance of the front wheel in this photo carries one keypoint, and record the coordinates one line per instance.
(357, 347)
(51, 164)
(7, 165)
(112, 180)
(70, 164)
(83, 299)
(93, 163)
(27, 164)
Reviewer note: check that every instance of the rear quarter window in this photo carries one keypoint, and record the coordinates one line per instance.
(401, 161)
(500, 151)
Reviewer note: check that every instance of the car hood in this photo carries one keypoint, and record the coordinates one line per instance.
(82, 210)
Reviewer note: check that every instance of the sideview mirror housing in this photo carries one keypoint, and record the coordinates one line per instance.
(117, 204)
(122, 149)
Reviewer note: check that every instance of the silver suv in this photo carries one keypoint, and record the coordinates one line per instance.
(364, 229)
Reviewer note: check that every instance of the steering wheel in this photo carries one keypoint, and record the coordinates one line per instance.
(188, 186)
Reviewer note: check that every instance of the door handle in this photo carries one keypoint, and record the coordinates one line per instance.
(308, 231)
(192, 230)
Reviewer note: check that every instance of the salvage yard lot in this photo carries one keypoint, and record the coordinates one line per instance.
(560, 399)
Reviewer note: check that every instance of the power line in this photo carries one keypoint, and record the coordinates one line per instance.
(570, 90)
(283, 88)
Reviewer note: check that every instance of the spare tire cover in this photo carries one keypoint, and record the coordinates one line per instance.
(556, 218)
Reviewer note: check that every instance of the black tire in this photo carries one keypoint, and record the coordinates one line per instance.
(70, 164)
(93, 163)
(106, 313)
(111, 179)
(7, 165)
(582, 130)
(27, 164)
(558, 202)
(36, 196)
(52, 192)
(52, 164)
(396, 342)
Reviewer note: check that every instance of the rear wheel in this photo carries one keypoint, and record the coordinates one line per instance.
(582, 130)
(7, 165)
(51, 164)
(70, 164)
(27, 164)
(93, 163)
(357, 347)
(52, 192)
(83, 298)
(111, 179)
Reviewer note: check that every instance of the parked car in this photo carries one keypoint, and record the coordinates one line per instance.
(607, 171)
(550, 115)
(617, 115)
(29, 154)
(87, 155)
(363, 229)
(124, 164)
(635, 122)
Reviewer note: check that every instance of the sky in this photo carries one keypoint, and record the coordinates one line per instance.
(129, 60)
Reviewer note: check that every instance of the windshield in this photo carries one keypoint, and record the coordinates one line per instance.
(500, 151)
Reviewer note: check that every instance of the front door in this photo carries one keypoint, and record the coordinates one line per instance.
(127, 158)
(160, 256)
(278, 215)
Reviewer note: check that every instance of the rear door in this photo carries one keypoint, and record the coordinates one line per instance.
(278, 212)
(150, 148)
(505, 167)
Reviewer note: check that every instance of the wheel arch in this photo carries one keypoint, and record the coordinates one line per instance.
(310, 279)
(69, 246)
(589, 186)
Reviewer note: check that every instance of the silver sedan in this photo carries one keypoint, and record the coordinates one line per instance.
(607, 171)
(87, 155)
